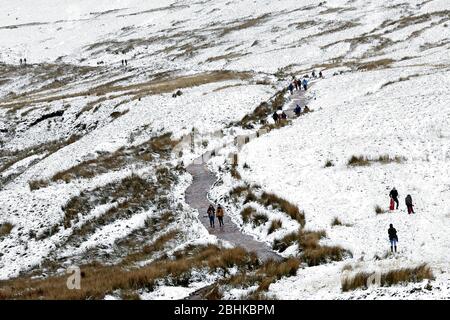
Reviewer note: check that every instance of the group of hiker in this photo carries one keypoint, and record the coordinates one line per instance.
(297, 84)
(394, 201)
(213, 213)
(394, 204)
(124, 62)
(23, 61)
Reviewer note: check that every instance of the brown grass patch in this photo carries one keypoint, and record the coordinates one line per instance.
(244, 25)
(270, 199)
(275, 225)
(5, 229)
(377, 64)
(100, 280)
(390, 278)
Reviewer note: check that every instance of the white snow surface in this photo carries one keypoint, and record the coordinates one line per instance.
(399, 109)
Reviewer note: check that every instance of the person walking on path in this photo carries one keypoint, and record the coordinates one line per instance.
(219, 214)
(409, 204)
(211, 215)
(275, 117)
(393, 238)
(320, 74)
(291, 88)
(394, 196)
(305, 84)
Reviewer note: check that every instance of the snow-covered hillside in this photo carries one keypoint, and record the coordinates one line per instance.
(96, 106)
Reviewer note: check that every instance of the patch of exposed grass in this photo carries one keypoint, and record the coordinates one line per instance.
(328, 164)
(270, 199)
(259, 219)
(377, 64)
(99, 280)
(275, 225)
(311, 252)
(390, 278)
(245, 24)
(358, 161)
(247, 214)
(5, 229)
(379, 210)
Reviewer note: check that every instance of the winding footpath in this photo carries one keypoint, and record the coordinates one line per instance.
(196, 197)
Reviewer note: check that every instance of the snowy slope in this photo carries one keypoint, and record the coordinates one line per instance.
(390, 95)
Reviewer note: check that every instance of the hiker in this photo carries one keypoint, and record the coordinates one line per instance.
(305, 84)
(306, 109)
(211, 215)
(20, 61)
(313, 73)
(126, 62)
(275, 117)
(297, 110)
(409, 204)
(393, 238)
(25, 61)
(394, 196)
(295, 82)
(283, 116)
(219, 214)
(320, 74)
(291, 88)
(122, 62)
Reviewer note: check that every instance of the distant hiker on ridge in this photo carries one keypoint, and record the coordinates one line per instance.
(409, 204)
(275, 117)
(220, 214)
(393, 238)
(211, 215)
(394, 196)
(320, 74)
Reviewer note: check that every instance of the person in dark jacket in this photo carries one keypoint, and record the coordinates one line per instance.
(393, 238)
(220, 214)
(211, 215)
(291, 88)
(283, 116)
(297, 110)
(275, 117)
(394, 195)
(320, 74)
(409, 204)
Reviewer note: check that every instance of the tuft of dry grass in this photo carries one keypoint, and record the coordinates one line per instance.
(358, 161)
(270, 199)
(259, 219)
(390, 278)
(5, 229)
(247, 214)
(377, 64)
(275, 225)
(336, 222)
(379, 210)
(37, 184)
(366, 161)
(311, 252)
(328, 164)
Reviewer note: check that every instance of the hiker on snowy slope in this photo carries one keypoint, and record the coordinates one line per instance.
(220, 214)
(305, 84)
(211, 215)
(394, 195)
(297, 110)
(393, 238)
(409, 204)
(291, 88)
